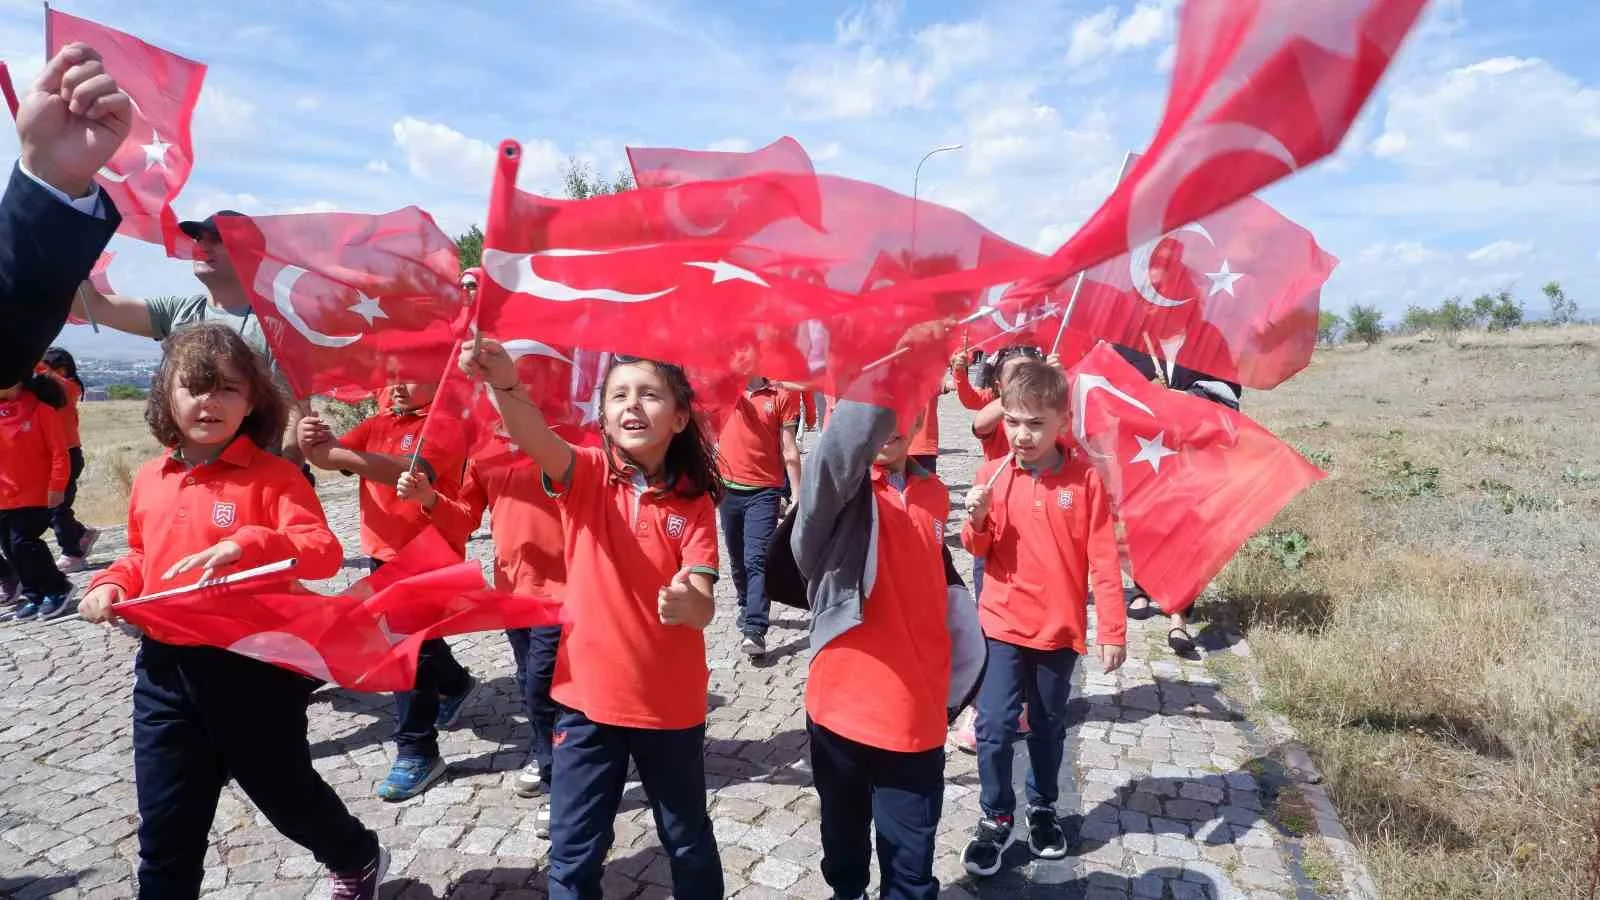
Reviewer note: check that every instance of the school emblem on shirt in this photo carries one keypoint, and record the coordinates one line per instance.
(405, 442)
(770, 408)
(938, 531)
(1064, 499)
(223, 514)
(675, 525)
(26, 427)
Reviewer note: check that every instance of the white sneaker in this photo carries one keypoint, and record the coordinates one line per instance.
(69, 565)
(541, 821)
(86, 546)
(529, 781)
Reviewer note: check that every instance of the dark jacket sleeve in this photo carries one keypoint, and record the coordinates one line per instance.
(47, 249)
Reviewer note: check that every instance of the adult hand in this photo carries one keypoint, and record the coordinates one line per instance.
(72, 120)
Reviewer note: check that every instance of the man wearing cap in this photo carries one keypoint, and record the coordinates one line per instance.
(225, 301)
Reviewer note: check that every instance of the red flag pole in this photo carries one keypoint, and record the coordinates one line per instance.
(1127, 163)
(10, 91)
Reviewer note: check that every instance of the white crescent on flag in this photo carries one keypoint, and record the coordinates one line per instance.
(514, 272)
(1082, 386)
(1139, 267)
(282, 293)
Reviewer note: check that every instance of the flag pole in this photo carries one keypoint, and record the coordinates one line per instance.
(982, 311)
(282, 565)
(10, 90)
(1072, 301)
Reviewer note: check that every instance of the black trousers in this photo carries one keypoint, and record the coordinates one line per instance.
(69, 531)
(438, 675)
(862, 789)
(22, 533)
(203, 715)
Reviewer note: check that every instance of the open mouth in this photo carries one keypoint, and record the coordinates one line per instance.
(204, 419)
(635, 426)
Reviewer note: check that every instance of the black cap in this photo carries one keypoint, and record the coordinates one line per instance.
(196, 230)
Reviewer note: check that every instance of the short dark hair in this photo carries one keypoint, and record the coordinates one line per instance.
(1036, 385)
(193, 357)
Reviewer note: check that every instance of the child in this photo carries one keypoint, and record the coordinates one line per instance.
(631, 678)
(217, 503)
(759, 456)
(893, 645)
(33, 479)
(526, 526)
(380, 450)
(1045, 526)
(75, 540)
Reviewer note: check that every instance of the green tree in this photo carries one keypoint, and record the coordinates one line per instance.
(1563, 309)
(1328, 325)
(1418, 318)
(1364, 323)
(1453, 315)
(125, 392)
(1507, 312)
(581, 181)
(1482, 309)
(469, 247)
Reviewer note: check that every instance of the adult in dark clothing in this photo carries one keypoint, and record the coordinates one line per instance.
(54, 220)
(1190, 381)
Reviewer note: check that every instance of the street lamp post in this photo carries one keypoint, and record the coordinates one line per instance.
(916, 179)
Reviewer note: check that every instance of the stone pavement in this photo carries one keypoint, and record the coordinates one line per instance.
(1172, 794)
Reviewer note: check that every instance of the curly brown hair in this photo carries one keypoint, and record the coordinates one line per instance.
(193, 356)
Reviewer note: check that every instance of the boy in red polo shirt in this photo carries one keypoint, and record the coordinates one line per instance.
(894, 650)
(1045, 529)
(380, 450)
(758, 454)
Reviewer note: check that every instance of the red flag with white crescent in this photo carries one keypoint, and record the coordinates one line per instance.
(1192, 480)
(351, 301)
(1235, 295)
(153, 164)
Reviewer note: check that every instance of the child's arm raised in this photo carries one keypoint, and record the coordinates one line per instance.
(838, 466)
(488, 361)
(988, 419)
(1105, 574)
(970, 397)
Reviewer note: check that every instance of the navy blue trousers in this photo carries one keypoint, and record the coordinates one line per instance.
(535, 652)
(202, 715)
(416, 710)
(591, 762)
(862, 788)
(1015, 674)
(749, 519)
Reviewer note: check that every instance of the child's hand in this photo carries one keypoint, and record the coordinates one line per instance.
(1112, 656)
(218, 555)
(416, 487)
(680, 603)
(96, 605)
(1054, 362)
(54, 499)
(961, 360)
(978, 505)
(315, 438)
(489, 362)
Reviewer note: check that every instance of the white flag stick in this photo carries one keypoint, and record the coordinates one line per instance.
(247, 575)
(1127, 163)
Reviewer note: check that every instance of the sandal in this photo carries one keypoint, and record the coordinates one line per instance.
(1179, 639)
(1140, 607)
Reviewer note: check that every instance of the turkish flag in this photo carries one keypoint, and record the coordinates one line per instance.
(366, 638)
(350, 300)
(1261, 89)
(151, 167)
(1192, 480)
(564, 382)
(1235, 295)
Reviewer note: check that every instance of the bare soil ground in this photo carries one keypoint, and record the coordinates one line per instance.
(1437, 646)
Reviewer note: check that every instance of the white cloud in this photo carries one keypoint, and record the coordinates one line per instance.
(1507, 118)
(1103, 34)
(1406, 252)
(867, 24)
(864, 73)
(224, 117)
(439, 153)
(380, 167)
(1501, 252)
(731, 145)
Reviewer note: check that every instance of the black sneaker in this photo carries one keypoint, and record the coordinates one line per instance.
(1045, 837)
(989, 842)
(754, 645)
(362, 885)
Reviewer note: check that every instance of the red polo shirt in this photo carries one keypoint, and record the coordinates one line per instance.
(33, 453)
(750, 448)
(1046, 535)
(246, 495)
(884, 683)
(625, 541)
(926, 441)
(387, 522)
(524, 520)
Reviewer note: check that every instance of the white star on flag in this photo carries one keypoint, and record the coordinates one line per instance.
(722, 270)
(368, 308)
(1152, 451)
(155, 152)
(1224, 280)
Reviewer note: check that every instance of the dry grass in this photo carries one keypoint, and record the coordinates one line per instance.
(116, 442)
(1439, 648)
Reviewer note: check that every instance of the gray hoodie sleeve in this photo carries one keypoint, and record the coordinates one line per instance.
(834, 475)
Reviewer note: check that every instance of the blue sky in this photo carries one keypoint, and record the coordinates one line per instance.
(1476, 168)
